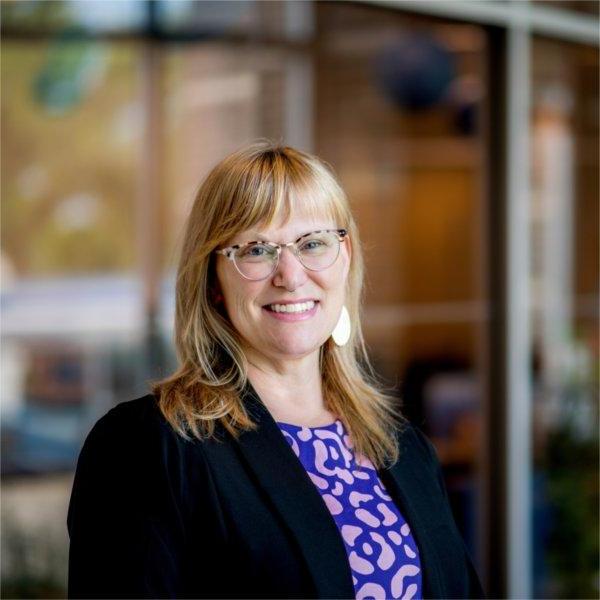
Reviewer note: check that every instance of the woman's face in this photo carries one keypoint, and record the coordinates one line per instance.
(264, 334)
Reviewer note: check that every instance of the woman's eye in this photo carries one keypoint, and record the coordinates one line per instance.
(312, 245)
(255, 251)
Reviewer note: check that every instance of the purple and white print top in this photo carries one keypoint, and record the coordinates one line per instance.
(383, 556)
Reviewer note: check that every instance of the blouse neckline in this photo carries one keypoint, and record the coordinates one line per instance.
(292, 425)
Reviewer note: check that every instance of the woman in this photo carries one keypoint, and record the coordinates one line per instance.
(271, 464)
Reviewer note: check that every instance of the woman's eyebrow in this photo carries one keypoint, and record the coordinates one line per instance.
(256, 236)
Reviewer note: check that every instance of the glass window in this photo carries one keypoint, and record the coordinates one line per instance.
(71, 302)
(565, 300)
(71, 134)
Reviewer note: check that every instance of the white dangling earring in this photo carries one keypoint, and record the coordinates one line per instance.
(341, 333)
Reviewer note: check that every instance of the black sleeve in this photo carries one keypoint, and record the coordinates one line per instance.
(126, 533)
(475, 588)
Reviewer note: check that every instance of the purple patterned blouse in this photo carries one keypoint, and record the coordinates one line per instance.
(383, 556)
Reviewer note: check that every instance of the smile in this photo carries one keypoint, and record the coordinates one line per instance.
(292, 308)
(292, 312)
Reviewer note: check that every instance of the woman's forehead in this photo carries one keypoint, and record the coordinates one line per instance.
(293, 229)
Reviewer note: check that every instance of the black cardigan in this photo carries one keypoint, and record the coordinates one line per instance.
(154, 516)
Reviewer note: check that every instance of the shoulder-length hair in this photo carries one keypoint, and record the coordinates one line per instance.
(255, 186)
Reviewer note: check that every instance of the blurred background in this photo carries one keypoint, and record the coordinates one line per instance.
(466, 137)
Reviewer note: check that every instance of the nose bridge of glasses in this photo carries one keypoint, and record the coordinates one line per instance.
(292, 247)
(288, 268)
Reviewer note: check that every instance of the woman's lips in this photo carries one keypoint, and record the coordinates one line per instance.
(291, 317)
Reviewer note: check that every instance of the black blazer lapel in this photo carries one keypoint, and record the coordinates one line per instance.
(403, 483)
(284, 479)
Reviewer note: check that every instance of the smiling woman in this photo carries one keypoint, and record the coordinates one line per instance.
(272, 463)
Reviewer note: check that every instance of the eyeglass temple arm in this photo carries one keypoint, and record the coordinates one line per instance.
(227, 252)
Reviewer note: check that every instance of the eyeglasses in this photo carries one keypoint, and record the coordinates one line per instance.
(316, 251)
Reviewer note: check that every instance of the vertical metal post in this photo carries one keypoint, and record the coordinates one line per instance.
(148, 210)
(518, 327)
(493, 538)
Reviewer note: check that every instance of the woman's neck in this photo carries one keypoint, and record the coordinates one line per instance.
(294, 396)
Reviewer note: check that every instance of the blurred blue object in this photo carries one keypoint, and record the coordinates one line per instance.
(40, 440)
(415, 71)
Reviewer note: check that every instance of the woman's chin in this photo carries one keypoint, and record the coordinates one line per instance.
(295, 348)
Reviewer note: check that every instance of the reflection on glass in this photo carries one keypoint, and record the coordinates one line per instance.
(564, 279)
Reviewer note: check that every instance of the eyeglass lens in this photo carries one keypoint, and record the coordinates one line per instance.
(316, 252)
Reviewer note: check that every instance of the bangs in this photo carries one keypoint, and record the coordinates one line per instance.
(277, 187)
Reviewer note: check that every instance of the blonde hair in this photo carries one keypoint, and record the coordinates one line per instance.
(257, 185)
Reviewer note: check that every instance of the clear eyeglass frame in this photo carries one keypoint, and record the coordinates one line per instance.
(230, 251)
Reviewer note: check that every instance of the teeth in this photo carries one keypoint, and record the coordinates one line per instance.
(292, 308)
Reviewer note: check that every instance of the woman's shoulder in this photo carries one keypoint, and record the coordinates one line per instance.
(136, 417)
(415, 445)
(415, 434)
(143, 409)
(134, 430)
(133, 447)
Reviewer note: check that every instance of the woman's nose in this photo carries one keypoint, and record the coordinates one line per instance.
(290, 272)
